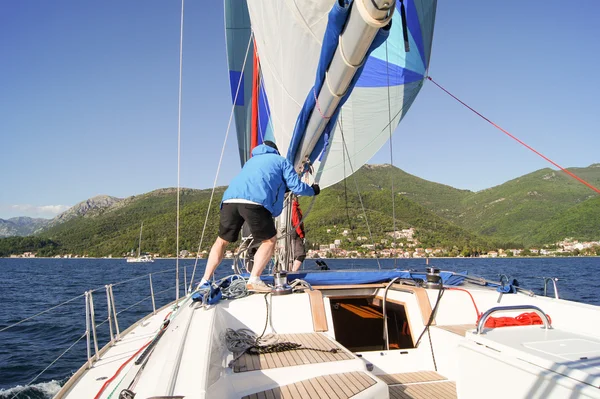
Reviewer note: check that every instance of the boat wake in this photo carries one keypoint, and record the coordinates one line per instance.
(43, 390)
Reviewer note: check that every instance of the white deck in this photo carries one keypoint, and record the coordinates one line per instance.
(89, 381)
(564, 353)
(192, 360)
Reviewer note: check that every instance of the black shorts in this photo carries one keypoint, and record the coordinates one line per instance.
(258, 218)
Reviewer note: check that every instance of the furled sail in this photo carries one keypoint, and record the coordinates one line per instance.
(290, 39)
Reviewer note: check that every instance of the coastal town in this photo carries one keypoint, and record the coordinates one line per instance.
(402, 244)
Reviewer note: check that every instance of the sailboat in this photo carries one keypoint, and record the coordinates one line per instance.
(140, 258)
(329, 81)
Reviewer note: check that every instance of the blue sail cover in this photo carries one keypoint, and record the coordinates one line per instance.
(364, 277)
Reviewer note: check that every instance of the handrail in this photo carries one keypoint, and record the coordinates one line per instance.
(489, 312)
(90, 334)
(41, 313)
(554, 280)
(385, 324)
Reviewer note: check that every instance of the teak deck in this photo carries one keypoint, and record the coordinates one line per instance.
(419, 385)
(428, 390)
(248, 362)
(460, 329)
(333, 386)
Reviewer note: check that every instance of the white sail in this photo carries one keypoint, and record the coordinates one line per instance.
(289, 37)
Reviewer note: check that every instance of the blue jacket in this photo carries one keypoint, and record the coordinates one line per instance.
(264, 179)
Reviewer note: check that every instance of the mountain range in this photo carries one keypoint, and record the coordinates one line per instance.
(21, 226)
(539, 208)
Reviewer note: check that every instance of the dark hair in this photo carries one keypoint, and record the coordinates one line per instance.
(271, 144)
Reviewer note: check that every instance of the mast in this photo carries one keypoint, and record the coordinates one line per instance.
(140, 243)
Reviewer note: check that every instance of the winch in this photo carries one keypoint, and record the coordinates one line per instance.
(280, 283)
(434, 280)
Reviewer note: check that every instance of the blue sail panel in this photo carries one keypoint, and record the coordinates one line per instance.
(238, 35)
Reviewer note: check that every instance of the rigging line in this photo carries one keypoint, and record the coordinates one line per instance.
(237, 91)
(357, 190)
(573, 175)
(411, 98)
(179, 153)
(51, 364)
(345, 186)
(387, 65)
(41, 313)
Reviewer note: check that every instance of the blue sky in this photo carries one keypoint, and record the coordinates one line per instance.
(88, 97)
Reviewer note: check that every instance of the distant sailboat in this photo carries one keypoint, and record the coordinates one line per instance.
(140, 258)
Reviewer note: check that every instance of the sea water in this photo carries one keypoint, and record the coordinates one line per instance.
(30, 286)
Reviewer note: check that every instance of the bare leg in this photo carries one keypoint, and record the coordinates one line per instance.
(296, 266)
(215, 257)
(262, 256)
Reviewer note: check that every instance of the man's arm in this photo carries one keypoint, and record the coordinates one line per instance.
(294, 183)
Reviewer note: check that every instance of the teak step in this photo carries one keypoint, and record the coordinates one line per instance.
(333, 386)
(248, 362)
(419, 385)
(460, 329)
(427, 390)
(410, 378)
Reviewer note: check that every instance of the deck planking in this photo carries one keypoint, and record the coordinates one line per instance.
(460, 329)
(428, 390)
(252, 362)
(333, 386)
(419, 385)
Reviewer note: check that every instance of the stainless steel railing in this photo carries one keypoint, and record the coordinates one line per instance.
(554, 280)
(538, 311)
(90, 333)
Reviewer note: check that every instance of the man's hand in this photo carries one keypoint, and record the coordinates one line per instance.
(316, 189)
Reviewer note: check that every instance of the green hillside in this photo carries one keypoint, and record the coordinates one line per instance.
(116, 229)
(580, 222)
(439, 198)
(518, 209)
(539, 208)
(342, 209)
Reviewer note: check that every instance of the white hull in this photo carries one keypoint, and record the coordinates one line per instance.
(190, 359)
(140, 260)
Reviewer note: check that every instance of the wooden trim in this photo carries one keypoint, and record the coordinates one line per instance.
(412, 336)
(460, 329)
(317, 309)
(343, 287)
(422, 300)
(411, 377)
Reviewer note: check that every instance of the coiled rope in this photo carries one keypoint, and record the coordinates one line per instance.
(244, 341)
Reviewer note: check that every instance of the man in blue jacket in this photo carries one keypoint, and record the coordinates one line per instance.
(256, 196)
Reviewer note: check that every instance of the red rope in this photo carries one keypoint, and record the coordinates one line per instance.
(107, 382)
(573, 175)
(119, 370)
(254, 115)
(524, 319)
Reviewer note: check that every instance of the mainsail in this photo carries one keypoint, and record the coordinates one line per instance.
(284, 47)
